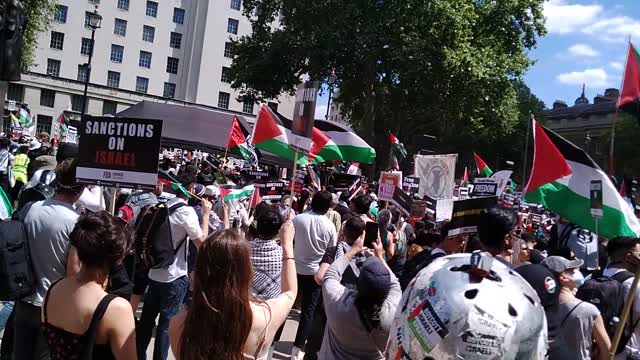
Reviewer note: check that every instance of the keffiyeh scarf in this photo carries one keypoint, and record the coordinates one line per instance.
(266, 258)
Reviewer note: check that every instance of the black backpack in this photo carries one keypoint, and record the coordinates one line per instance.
(607, 294)
(154, 243)
(16, 275)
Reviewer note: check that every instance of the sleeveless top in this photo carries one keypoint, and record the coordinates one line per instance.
(65, 345)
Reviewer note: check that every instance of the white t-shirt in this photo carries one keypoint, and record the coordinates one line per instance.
(314, 234)
(184, 222)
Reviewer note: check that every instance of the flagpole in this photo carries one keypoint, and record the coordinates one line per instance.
(526, 148)
(615, 115)
(293, 175)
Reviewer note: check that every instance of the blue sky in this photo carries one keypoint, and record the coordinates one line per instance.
(586, 43)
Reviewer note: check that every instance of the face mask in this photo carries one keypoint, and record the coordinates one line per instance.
(577, 276)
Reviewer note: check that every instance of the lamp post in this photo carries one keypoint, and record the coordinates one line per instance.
(95, 20)
(331, 81)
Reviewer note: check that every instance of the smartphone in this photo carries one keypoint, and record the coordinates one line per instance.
(370, 234)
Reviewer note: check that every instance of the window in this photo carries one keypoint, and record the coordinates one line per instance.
(152, 8)
(169, 90)
(145, 59)
(85, 47)
(57, 40)
(61, 14)
(273, 106)
(176, 40)
(247, 107)
(43, 123)
(232, 26)
(87, 16)
(15, 92)
(142, 84)
(235, 4)
(94, 1)
(113, 79)
(223, 100)
(178, 16)
(172, 65)
(123, 4)
(77, 102)
(148, 33)
(228, 49)
(117, 53)
(225, 77)
(82, 72)
(47, 98)
(120, 27)
(53, 67)
(109, 107)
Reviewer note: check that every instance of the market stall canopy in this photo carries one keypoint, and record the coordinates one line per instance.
(193, 127)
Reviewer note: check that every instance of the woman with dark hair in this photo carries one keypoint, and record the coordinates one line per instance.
(224, 321)
(80, 320)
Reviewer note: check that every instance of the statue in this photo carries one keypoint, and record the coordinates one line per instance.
(12, 25)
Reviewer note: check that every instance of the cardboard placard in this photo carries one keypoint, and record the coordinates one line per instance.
(119, 152)
(466, 214)
(342, 181)
(255, 175)
(402, 200)
(72, 135)
(484, 187)
(595, 194)
(272, 190)
(388, 183)
(411, 184)
(303, 115)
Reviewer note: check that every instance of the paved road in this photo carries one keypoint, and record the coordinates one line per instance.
(282, 348)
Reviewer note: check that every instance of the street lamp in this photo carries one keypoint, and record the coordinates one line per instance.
(331, 81)
(94, 22)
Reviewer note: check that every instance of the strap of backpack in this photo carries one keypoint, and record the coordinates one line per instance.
(622, 276)
(173, 208)
(565, 235)
(568, 314)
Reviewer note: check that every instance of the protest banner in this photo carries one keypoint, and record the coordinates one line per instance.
(119, 152)
(388, 183)
(402, 201)
(484, 187)
(466, 214)
(411, 184)
(444, 209)
(253, 175)
(502, 177)
(303, 115)
(436, 173)
(272, 190)
(342, 181)
(72, 135)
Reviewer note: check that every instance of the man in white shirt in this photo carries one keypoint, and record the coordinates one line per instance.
(314, 234)
(168, 286)
(624, 255)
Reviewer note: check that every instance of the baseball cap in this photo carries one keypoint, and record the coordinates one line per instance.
(374, 281)
(558, 264)
(44, 162)
(542, 281)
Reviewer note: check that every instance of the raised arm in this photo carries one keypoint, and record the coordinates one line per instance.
(281, 305)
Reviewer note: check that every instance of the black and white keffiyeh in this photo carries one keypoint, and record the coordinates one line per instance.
(266, 257)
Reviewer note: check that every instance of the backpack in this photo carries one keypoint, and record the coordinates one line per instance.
(607, 294)
(16, 275)
(154, 243)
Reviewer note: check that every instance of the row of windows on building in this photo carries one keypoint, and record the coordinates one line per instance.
(148, 34)
(60, 16)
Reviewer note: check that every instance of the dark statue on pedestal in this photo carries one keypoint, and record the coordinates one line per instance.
(12, 25)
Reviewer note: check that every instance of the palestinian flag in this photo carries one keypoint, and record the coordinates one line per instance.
(465, 177)
(482, 167)
(24, 117)
(238, 145)
(349, 146)
(397, 148)
(6, 209)
(255, 198)
(560, 181)
(629, 101)
(236, 194)
(63, 123)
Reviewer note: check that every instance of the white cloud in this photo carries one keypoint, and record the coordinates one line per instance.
(565, 18)
(583, 50)
(614, 29)
(593, 78)
(616, 65)
(321, 111)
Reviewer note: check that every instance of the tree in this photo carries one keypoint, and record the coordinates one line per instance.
(39, 14)
(627, 151)
(446, 68)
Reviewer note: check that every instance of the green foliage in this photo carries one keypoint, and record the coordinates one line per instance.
(39, 14)
(626, 152)
(448, 68)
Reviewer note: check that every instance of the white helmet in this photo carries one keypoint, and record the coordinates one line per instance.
(454, 310)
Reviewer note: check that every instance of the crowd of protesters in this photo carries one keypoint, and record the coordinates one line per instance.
(237, 271)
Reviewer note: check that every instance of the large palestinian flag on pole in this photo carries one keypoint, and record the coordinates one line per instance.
(238, 145)
(629, 101)
(560, 181)
(272, 132)
(482, 167)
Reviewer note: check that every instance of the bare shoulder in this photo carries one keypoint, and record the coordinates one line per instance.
(119, 309)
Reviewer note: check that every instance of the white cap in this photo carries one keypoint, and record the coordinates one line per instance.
(211, 190)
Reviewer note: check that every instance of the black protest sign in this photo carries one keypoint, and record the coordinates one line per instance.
(341, 181)
(402, 200)
(484, 187)
(303, 115)
(119, 152)
(411, 184)
(430, 203)
(250, 175)
(272, 190)
(466, 214)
